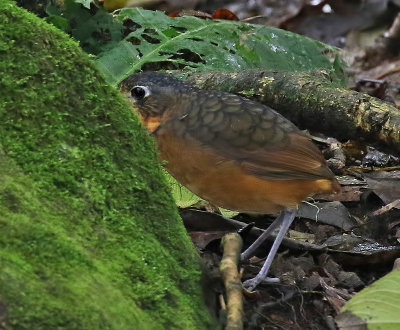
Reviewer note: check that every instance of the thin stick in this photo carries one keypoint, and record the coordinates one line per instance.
(232, 245)
(386, 208)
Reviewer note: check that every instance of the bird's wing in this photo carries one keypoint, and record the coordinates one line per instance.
(265, 143)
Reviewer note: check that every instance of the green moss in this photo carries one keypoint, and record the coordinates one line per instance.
(90, 237)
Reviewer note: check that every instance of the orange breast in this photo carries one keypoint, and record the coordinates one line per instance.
(223, 182)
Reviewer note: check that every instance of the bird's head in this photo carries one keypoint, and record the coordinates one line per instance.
(153, 93)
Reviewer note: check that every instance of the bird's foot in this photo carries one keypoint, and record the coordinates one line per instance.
(253, 282)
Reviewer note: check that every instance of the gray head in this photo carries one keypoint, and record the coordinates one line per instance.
(152, 93)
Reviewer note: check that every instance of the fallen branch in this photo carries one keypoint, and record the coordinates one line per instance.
(215, 222)
(232, 246)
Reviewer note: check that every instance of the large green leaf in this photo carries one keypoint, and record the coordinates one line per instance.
(156, 41)
(375, 307)
(95, 29)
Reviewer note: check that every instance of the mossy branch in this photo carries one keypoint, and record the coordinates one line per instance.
(232, 246)
(311, 101)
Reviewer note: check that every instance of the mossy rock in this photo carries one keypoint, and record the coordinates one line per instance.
(89, 235)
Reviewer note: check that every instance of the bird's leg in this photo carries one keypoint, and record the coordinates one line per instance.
(285, 219)
(249, 252)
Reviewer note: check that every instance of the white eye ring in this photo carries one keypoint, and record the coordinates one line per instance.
(140, 92)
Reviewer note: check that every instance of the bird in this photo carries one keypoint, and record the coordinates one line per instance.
(231, 151)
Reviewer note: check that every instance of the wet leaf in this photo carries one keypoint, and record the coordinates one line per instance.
(384, 184)
(224, 14)
(331, 213)
(375, 307)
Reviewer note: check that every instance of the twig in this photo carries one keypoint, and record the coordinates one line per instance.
(386, 208)
(222, 302)
(283, 299)
(232, 246)
(394, 31)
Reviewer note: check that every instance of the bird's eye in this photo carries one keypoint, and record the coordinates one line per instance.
(140, 92)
